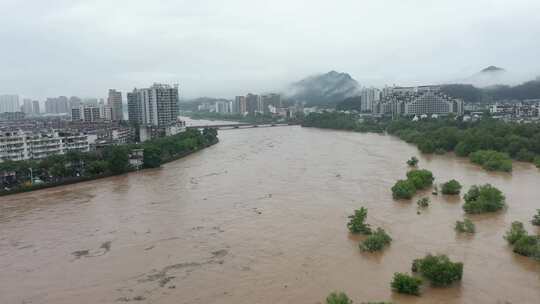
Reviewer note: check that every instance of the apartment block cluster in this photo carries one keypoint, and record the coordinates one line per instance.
(86, 124)
(250, 104)
(526, 110)
(409, 101)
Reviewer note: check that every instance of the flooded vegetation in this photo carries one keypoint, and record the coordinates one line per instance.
(262, 217)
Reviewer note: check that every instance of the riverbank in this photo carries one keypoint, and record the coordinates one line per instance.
(74, 180)
(520, 142)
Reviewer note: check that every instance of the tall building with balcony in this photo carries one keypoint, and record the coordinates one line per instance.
(154, 106)
(115, 102)
(19, 145)
(86, 113)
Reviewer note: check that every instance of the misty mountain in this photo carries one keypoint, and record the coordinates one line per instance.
(324, 89)
(492, 75)
(470, 93)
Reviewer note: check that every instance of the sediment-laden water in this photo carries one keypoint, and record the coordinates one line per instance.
(261, 218)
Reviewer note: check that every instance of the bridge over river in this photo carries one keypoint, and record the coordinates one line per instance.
(242, 125)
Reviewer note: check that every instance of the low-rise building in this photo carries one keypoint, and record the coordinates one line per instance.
(20, 145)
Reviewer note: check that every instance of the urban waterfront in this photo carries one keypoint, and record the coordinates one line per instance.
(261, 218)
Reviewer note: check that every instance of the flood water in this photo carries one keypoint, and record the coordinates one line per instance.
(261, 218)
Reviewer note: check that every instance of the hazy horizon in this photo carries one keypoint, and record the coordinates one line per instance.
(222, 49)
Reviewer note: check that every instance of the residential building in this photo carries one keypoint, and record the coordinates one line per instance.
(9, 103)
(424, 100)
(241, 105)
(86, 113)
(253, 104)
(57, 105)
(115, 102)
(368, 97)
(156, 106)
(27, 106)
(35, 107)
(21, 145)
(12, 116)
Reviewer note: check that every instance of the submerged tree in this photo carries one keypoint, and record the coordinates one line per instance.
(406, 284)
(465, 226)
(338, 298)
(376, 241)
(413, 161)
(438, 269)
(357, 222)
(452, 187)
(485, 198)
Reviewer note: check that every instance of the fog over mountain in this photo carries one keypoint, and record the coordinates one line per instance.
(325, 88)
(226, 48)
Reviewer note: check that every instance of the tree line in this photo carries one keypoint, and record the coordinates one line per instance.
(490, 143)
(111, 160)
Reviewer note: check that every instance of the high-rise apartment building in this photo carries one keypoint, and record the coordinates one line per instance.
(369, 96)
(35, 107)
(27, 107)
(9, 103)
(253, 103)
(240, 104)
(156, 106)
(57, 105)
(115, 102)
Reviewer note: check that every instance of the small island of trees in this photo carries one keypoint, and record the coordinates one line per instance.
(452, 187)
(465, 226)
(482, 199)
(438, 269)
(523, 243)
(376, 240)
(406, 284)
(416, 180)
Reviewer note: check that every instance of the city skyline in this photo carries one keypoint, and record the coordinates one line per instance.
(216, 49)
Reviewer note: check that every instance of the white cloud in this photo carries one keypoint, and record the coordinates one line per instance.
(223, 48)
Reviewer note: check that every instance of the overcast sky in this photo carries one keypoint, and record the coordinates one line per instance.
(230, 47)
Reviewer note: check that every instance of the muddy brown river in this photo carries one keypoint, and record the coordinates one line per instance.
(261, 218)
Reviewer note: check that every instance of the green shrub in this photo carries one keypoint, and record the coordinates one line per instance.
(403, 189)
(357, 222)
(338, 298)
(423, 202)
(452, 187)
(537, 161)
(466, 226)
(404, 283)
(413, 161)
(536, 218)
(523, 243)
(492, 160)
(376, 241)
(516, 232)
(439, 270)
(482, 199)
(421, 179)
(528, 245)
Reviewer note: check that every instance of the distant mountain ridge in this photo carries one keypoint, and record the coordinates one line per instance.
(328, 88)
